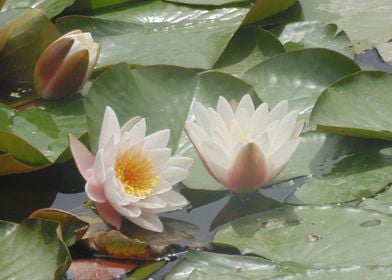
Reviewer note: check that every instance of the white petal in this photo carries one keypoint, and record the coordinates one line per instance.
(99, 168)
(129, 124)
(115, 193)
(214, 152)
(174, 175)
(196, 134)
(127, 211)
(152, 202)
(109, 127)
(202, 115)
(137, 132)
(148, 220)
(95, 191)
(247, 104)
(279, 111)
(159, 139)
(249, 170)
(224, 110)
(259, 119)
(298, 129)
(182, 162)
(285, 130)
(160, 157)
(173, 200)
(162, 187)
(219, 173)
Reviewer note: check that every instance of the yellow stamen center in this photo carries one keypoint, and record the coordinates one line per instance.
(137, 173)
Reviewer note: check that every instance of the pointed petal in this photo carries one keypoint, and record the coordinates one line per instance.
(224, 110)
(174, 201)
(196, 134)
(279, 111)
(214, 152)
(108, 214)
(284, 130)
(115, 193)
(152, 202)
(182, 162)
(84, 159)
(160, 157)
(129, 124)
(174, 175)
(298, 129)
(127, 211)
(95, 191)
(282, 155)
(149, 221)
(249, 170)
(246, 103)
(259, 119)
(99, 168)
(159, 139)
(202, 115)
(109, 127)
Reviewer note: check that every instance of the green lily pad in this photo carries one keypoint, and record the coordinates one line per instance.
(28, 37)
(367, 23)
(203, 265)
(385, 51)
(313, 236)
(358, 105)
(32, 250)
(38, 136)
(263, 9)
(156, 32)
(207, 2)
(298, 76)
(314, 34)
(382, 202)
(10, 165)
(143, 271)
(338, 168)
(249, 46)
(50, 8)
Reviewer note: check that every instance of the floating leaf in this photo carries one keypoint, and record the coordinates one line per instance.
(313, 236)
(358, 105)
(144, 271)
(10, 165)
(207, 2)
(202, 265)
(249, 46)
(382, 202)
(367, 23)
(31, 250)
(193, 37)
(31, 33)
(263, 9)
(314, 34)
(72, 228)
(338, 168)
(51, 8)
(385, 51)
(298, 76)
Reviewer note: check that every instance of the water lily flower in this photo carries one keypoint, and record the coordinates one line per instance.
(65, 65)
(244, 148)
(131, 175)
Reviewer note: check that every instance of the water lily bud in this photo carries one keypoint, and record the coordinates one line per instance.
(65, 65)
(244, 148)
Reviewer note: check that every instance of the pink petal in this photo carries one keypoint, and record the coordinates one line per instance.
(109, 127)
(249, 169)
(84, 159)
(108, 214)
(95, 191)
(149, 221)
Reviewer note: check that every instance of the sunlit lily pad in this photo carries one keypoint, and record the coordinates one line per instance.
(382, 202)
(156, 32)
(249, 46)
(263, 9)
(299, 76)
(314, 34)
(313, 236)
(367, 23)
(31, 250)
(359, 105)
(207, 2)
(50, 7)
(338, 168)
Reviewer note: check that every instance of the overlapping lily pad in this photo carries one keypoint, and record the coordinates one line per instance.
(359, 105)
(299, 76)
(51, 8)
(157, 32)
(382, 202)
(32, 250)
(314, 34)
(367, 23)
(338, 168)
(313, 236)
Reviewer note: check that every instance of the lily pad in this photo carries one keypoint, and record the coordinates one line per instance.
(207, 2)
(382, 202)
(51, 8)
(338, 168)
(249, 46)
(314, 34)
(156, 32)
(32, 250)
(203, 265)
(263, 9)
(385, 51)
(367, 23)
(313, 236)
(38, 136)
(10, 165)
(358, 105)
(298, 76)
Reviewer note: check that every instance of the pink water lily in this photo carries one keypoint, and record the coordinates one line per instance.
(244, 148)
(131, 175)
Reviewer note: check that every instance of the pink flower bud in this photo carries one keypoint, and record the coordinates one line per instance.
(65, 65)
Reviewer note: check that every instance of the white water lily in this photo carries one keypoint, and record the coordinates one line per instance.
(131, 175)
(244, 148)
